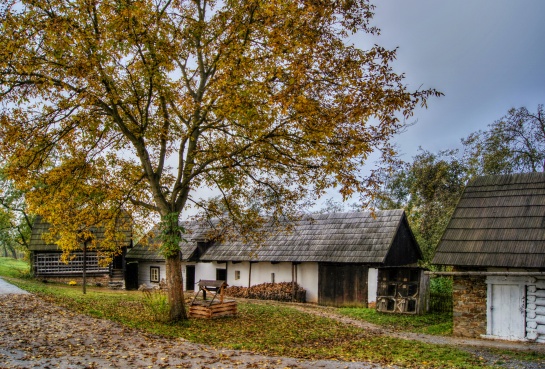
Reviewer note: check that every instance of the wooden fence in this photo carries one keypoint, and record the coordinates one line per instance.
(440, 302)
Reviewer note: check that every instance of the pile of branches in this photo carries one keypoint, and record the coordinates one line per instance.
(284, 291)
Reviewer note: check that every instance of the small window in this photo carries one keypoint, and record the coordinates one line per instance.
(272, 277)
(154, 273)
(237, 274)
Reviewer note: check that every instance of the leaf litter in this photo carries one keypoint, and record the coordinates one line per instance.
(37, 334)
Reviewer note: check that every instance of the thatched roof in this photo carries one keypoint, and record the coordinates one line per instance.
(499, 222)
(382, 239)
(40, 227)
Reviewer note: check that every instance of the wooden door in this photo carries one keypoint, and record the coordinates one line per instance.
(506, 311)
(190, 277)
(131, 276)
(342, 284)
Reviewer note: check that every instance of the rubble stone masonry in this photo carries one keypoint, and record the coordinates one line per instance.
(469, 306)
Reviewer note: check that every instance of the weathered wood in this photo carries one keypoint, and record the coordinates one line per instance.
(202, 309)
(342, 284)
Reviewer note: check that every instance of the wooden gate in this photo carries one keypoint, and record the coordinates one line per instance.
(342, 284)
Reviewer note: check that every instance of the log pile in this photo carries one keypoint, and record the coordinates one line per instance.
(284, 291)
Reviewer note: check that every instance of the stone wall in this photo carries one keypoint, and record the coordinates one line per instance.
(469, 306)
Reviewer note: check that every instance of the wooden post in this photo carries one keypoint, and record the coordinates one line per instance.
(292, 281)
(250, 275)
(84, 267)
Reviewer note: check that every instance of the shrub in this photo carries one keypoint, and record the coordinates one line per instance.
(156, 304)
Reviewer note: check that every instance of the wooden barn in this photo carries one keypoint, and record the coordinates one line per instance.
(496, 242)
(46, 260)
(334, 257)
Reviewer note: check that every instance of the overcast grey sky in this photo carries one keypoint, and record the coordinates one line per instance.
(486, 56)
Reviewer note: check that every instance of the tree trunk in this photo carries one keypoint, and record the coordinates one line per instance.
(175, 288)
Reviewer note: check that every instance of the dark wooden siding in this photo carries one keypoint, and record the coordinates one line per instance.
(342, 284)
(404, 249)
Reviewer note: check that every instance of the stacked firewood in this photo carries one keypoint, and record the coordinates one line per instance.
(284, 291)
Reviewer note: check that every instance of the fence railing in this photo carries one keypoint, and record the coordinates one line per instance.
(441, 302)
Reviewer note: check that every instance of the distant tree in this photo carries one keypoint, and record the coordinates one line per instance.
(15, 222)
(513, 144)
(122, 104)
(331, 206)
(428, 189)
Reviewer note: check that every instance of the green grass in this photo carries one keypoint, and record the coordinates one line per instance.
(14, 268)
(267, 329)
(433, 323)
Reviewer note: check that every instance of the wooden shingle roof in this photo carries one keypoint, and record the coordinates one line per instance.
(335, 237)
(383, 239)
(499, 222)
(150, 249)
(40, 227)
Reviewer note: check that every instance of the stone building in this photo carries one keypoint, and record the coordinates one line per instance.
(495, 242)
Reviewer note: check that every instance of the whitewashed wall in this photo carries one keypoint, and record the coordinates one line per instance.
(243, 268)
(144, 272)
(372, 283)
(207, 270)
(307, 277)
(261, 272)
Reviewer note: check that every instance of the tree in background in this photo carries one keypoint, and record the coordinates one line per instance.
(513, 144)
(428, 189)
(124, 105)
(15, 222)
(430, 186)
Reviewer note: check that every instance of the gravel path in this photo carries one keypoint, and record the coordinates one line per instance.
(7, 288)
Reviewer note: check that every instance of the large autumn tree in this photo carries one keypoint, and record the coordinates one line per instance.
(136, 104)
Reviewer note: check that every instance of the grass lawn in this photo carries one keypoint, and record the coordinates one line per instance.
(13, 268)
(268, 329)
(440, 324)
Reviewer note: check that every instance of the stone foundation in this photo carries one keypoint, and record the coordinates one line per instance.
(95, 280)
(469, 306)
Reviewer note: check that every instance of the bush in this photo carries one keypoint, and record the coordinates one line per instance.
(156, 304)
(441, 285)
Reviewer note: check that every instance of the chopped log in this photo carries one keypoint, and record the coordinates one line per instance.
(283, 291)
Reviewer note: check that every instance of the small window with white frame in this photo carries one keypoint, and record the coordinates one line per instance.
(154, 273)
(237, 274)
(272, 278)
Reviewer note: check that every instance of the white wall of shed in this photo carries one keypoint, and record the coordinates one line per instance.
(307, 277)
(262, 272)
(243, 268)
(144, 272)
(372, 283)
(207, 271)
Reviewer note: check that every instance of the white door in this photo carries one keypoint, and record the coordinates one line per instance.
(507, 311)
